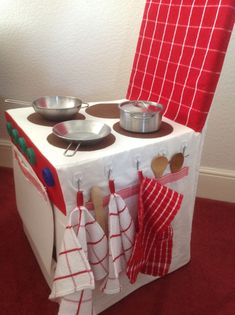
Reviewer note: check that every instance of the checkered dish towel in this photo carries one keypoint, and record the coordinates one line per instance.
(153, 244)
(121, 236)
(81, 261)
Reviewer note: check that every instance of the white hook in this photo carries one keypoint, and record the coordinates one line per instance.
(163, 152)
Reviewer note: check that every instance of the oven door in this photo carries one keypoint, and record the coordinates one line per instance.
(36, 212)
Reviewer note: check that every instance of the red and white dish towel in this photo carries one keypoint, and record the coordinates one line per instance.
(87, 255)
(121, 237)
(153, 242)
(81, 261)
(179, 56)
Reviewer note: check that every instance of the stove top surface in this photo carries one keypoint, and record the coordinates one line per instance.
(59, 143)
(165, 130)
(37, 119)
(104, 110)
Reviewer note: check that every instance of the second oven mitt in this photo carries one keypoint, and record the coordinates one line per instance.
(153, 243)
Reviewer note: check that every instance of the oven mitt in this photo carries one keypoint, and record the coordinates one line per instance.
(152, 250)
(81, 261)
(121, 236)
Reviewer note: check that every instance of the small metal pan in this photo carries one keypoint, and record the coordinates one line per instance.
(85, 132)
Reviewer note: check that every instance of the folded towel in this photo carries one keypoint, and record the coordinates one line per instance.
(153, 243)
(81, 261)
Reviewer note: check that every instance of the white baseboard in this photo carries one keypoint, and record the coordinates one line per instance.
(217, 184)
(5, 153)
(213, 183)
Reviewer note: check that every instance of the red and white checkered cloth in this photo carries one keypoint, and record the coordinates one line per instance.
(81, 261)
(121, 237)
(153, 244)
(179, 56)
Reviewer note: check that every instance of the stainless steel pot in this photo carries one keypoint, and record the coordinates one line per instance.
(54, 108)
(140, 116)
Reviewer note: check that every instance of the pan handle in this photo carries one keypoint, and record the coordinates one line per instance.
(9, 100)
(86, 105)
(74, 152)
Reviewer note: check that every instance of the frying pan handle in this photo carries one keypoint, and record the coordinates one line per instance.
(86, 105)
(74, 152)
(9, 100)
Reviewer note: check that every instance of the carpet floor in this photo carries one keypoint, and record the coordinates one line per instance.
(205, 286)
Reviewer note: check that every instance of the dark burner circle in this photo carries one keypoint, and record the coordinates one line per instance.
(59, 143)
(37, 119)
(109, 110)
(165, 130)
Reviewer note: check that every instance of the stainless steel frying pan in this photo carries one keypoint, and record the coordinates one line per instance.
(82, 132)
(55, 108)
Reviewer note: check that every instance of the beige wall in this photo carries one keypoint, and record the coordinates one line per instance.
(219, 147)
(85, 48)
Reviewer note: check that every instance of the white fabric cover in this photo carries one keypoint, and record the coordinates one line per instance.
(121, 156)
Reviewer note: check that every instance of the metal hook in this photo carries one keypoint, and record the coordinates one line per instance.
(137, 161)
(137, 164)
(109, 173)
(79, 183)
(184, 149)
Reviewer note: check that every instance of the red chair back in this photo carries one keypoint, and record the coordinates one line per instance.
(179, 56)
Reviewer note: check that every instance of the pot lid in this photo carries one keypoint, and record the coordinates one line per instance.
(141, 107)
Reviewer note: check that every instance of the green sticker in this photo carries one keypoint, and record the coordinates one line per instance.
(31, 156)
(15, 135)
(9, 128)
(22, 144)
